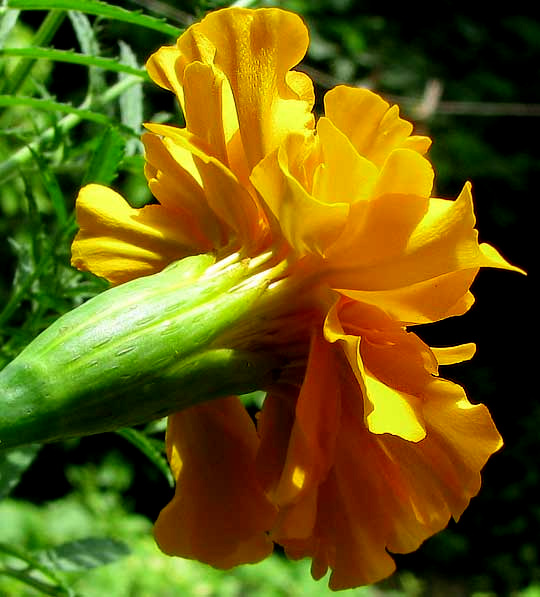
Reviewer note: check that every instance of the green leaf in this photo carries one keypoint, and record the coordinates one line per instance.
(107, 158)
(89, 44)
(94, 7)
(13, 464)
(147, 447)
(83, 554)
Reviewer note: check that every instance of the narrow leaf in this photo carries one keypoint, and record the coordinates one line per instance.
(89, 44)
(83, 554)
(107, 157)
(52, 106)
(13, 464)
(95, 7)
(72, 57)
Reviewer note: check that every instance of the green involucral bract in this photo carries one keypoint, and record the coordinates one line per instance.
(134, 353)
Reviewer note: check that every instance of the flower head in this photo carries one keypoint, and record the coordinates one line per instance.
(360, 447)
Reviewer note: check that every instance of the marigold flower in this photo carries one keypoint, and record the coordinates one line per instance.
(360, 448)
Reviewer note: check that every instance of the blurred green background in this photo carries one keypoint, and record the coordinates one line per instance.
(473, 85)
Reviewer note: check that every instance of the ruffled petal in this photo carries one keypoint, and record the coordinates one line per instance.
(309, 225)
(120, 243)
(162, 68)
(391, 366)
(444, 241)
(387, 494)
(310, 451)
(405, 172)
(372, 126)
(228, 199)
(424, 302)
(219, 513)
(255, 51)
(343, 176)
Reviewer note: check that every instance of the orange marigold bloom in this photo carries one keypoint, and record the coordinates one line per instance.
(360, 447)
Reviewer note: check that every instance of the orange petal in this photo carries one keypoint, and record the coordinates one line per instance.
(219, 513)
(454, 354)
(120, 243)
(386, 494)
(390, 366)
(310, 452)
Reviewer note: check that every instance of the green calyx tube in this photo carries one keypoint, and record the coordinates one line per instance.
(135, 353)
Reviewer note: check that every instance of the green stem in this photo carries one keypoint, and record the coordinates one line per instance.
(43, 36)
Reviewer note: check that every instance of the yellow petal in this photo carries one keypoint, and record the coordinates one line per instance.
(230, 201)
(309, 225)
(255, 50)
(219, 513)
(390, 402)
(377, 231)
(405, 172)
(344, 176)
(203, 86)
(367, 120)
(120, 243)
(454, 354)
(443, 242)
(176, 183)
(162, 68)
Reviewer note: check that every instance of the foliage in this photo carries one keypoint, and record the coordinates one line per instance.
(73, 94)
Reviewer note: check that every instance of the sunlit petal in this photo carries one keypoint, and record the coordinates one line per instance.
(373, 127)
(118, 242)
